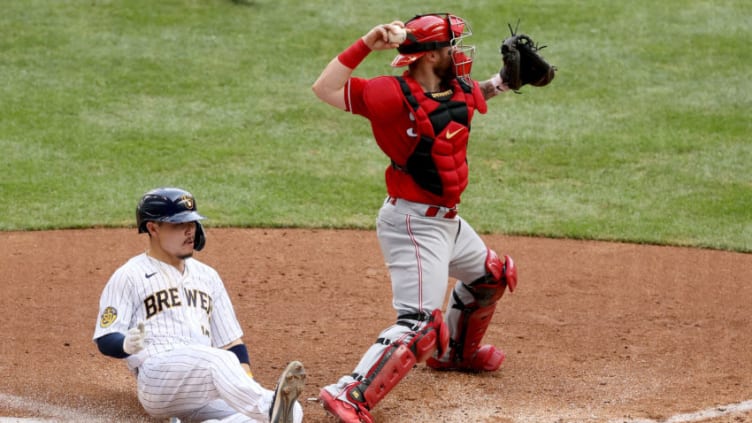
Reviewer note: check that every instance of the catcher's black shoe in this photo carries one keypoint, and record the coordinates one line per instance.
(289, 387)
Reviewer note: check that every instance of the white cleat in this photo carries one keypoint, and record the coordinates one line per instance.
(289, 387)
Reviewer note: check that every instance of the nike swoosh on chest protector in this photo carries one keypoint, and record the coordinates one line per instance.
(449, 135)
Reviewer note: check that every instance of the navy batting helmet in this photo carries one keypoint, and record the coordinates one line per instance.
(171, 205)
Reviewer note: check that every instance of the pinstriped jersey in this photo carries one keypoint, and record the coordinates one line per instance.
(176, 309)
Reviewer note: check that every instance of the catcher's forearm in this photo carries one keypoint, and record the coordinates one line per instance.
(330, 85)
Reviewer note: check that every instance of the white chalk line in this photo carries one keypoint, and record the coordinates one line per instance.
(698, 416)
(60, 414)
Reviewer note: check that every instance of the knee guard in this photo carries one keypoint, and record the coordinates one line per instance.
(489, 288)
(399, 358)
(475, 316)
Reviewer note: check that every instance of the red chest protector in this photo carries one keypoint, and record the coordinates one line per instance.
(438, 162)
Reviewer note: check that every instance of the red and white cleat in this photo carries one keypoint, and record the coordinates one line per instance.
(344, 410)
(486, 359)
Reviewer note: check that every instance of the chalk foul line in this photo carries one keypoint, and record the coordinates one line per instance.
(698, 416)
(60, 414)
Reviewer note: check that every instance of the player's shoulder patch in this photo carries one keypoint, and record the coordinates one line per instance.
(109, 315)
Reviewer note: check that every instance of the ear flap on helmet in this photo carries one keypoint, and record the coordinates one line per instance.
(199, 240)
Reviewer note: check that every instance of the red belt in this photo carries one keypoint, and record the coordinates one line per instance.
(432, 211)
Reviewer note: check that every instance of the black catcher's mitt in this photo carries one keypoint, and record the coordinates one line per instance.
(522, 63)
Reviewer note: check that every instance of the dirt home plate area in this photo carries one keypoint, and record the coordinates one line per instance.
(595, 332)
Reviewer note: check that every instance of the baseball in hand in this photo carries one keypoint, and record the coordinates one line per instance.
(397, 35)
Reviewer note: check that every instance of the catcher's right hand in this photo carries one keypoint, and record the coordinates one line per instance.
(522, 63)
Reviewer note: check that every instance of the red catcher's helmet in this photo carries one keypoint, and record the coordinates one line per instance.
(434, 31)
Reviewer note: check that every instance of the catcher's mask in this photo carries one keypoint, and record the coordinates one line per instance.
(434, 31)
(171, 205)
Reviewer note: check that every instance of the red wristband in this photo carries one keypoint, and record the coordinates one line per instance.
(354, 54)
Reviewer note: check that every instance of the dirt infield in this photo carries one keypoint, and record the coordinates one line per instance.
(596, 332)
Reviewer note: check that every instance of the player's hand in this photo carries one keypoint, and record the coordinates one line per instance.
(134, 339)
(378, 37)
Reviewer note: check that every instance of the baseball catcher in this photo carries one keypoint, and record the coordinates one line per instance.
(421, 120)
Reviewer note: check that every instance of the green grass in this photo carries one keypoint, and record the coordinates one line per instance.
(644, 135)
